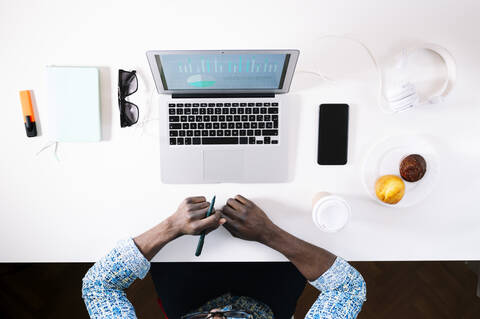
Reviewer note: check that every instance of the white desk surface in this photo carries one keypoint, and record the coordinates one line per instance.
(77, 209)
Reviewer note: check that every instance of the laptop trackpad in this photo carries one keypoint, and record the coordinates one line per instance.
(222, 166)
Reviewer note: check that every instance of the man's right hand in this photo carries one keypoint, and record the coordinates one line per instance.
(247, 221)
(189, 219)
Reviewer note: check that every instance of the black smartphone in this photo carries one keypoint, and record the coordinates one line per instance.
(333, 134)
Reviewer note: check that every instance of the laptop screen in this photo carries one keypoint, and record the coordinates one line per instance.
(218, 71)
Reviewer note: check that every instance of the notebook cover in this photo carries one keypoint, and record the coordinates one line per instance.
(73, 104)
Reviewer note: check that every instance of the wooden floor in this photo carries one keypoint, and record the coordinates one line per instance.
(394, 290)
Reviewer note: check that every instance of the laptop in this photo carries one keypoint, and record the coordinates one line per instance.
(223, 119)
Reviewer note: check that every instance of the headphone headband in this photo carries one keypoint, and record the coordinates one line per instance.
(450, 64)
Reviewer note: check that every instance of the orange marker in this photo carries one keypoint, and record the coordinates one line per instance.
(28, 117)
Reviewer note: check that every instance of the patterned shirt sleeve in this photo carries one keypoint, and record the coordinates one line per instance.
(343, 292)
(104, 283)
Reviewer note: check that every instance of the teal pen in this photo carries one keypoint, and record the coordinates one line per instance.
(202, 236)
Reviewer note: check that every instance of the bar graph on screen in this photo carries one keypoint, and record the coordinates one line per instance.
(239, 66)
(201, 68)
(222, 71)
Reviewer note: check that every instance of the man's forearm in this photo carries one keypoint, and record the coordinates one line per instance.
(150, 242)
(310, 260)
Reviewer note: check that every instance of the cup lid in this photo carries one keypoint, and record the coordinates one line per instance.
(331, 213)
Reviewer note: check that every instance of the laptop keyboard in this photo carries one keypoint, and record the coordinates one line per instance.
(223, 123)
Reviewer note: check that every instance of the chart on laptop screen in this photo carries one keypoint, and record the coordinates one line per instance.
(222, 71)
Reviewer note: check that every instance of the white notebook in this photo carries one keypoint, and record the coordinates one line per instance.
(73, 104)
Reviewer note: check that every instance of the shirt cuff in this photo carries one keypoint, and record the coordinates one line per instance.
(133, 258)
(334, 277)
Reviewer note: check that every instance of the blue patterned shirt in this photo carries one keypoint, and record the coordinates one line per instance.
(343, 289)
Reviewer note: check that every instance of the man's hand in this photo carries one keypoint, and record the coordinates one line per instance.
(189, 219)
(246, 220)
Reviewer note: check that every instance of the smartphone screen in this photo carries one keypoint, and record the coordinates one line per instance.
(333, 134)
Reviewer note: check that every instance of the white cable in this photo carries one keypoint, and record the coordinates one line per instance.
(322, 76)
(141, 125)
(380, 97)
(55, 149)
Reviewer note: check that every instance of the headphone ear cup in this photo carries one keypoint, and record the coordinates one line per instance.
(400, 92)
(404, 98)
(404, 104)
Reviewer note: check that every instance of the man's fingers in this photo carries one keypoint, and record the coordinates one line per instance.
(210, 222)
(234, 203)
(242, 199)
(195, 199)
(229, 212)
(199, 214)
(228, 221)
(230, 226)
(198, 206)
(221, 221)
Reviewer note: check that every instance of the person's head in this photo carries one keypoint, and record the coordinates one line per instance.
(219, 314)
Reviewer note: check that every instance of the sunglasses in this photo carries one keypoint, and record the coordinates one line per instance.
(222, 314)
(127, 85)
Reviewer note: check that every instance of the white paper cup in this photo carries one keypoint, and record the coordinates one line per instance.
(330, 212)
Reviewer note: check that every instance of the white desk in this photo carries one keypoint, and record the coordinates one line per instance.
(77, 209)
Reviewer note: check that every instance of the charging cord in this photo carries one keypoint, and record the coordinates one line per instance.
(146, 119)
(380, 96)
(321, 76)
(55, 149)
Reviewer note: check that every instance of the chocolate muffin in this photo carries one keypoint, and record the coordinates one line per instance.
(413, 168)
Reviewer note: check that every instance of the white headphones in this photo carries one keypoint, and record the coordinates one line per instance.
(406, 95)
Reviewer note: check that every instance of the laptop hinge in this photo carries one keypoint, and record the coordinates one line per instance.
(221, 95)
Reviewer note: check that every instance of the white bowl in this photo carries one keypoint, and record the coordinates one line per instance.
(385, 158)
